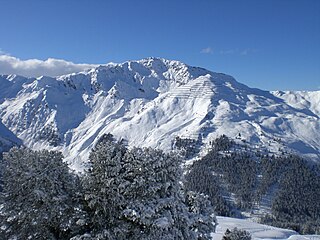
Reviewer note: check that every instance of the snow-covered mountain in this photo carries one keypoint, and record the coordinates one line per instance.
(150, 102)
(7, 139)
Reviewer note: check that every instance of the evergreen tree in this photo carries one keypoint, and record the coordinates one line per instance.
(102, 185)
(39, 196)
(156, 202)
(136, 194)
(296, 198)
(202, 215)
(236, 234)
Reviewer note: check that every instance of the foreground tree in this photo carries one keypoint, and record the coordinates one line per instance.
(103, 188)
(39, 198)
(203, 220)
(136, 194)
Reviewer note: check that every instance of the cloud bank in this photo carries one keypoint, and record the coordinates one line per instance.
(35, 67)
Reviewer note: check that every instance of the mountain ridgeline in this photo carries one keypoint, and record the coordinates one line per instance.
(150, 102)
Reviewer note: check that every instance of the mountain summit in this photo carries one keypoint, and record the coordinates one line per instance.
(150, 102)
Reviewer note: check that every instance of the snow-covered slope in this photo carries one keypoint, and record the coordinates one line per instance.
(258, 231)
(7, 139)
(150, 102)
(301, 99)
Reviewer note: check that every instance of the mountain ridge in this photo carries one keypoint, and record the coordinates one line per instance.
(151, 101)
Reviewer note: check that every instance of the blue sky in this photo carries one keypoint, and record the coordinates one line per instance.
(268, 44)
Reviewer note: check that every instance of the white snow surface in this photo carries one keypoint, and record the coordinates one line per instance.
(258, 231)
(151, 101)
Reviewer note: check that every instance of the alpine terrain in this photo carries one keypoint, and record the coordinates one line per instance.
(150, 102)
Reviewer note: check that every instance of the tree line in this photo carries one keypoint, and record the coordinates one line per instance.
(236, 180)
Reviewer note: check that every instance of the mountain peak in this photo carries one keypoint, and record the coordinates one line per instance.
(151, 101)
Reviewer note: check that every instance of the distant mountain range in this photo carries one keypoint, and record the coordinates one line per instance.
(149, 103)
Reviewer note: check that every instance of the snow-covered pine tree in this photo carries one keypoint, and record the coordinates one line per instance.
(156, 208)
(137, 194)
(202, 214)
(38, 196)
(236, 234)
(102, 188)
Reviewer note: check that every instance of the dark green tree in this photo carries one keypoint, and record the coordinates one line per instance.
(39, 196)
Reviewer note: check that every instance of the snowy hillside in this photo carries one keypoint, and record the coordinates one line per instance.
(7, 139)
(301, 100)
(150, 102)
(258, 231)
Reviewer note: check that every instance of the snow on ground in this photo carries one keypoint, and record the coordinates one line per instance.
(258, 231)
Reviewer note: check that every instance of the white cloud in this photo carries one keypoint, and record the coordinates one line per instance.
(35, 67)
(207, 50)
